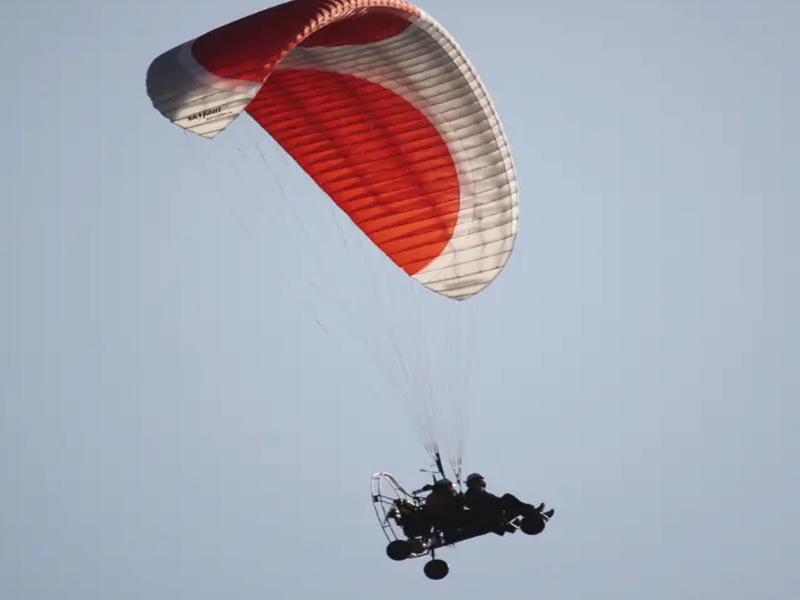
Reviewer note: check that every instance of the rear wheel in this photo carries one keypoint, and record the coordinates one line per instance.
(398, 550)
(436, 569)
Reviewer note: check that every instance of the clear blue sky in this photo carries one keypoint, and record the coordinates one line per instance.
(187, 410)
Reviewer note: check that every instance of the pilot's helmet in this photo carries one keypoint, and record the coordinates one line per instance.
(475, 479)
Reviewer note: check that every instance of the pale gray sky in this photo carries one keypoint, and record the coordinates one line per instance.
(183, 414)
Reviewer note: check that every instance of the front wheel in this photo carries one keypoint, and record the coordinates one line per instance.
(436, 569)
(532, 525)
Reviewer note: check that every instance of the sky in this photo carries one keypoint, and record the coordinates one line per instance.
(193, 342)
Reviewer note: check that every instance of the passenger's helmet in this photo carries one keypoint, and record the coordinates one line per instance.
(441, 485)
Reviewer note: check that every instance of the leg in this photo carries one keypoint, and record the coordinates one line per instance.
(514, 507)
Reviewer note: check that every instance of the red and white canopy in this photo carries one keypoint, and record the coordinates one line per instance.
(379, 105)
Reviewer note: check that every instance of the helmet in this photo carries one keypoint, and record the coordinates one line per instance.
(442, 484)
(474, 477)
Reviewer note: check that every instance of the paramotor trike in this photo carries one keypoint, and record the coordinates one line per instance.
(411, 533)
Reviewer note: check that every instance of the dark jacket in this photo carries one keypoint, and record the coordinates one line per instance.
(482, 502)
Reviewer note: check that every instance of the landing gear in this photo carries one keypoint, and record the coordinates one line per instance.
(436, 569)
(398, 550)
(532, 524)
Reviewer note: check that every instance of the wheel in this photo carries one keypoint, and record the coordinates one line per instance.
(398, 550)
(532, 525)
(436, 569)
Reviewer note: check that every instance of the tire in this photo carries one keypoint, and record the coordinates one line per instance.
(436, 569)
(532, 525)
(398, 550)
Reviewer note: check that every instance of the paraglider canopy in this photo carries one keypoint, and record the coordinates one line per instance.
(379, 105)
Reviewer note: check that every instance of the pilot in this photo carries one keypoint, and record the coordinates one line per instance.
(486, 505)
